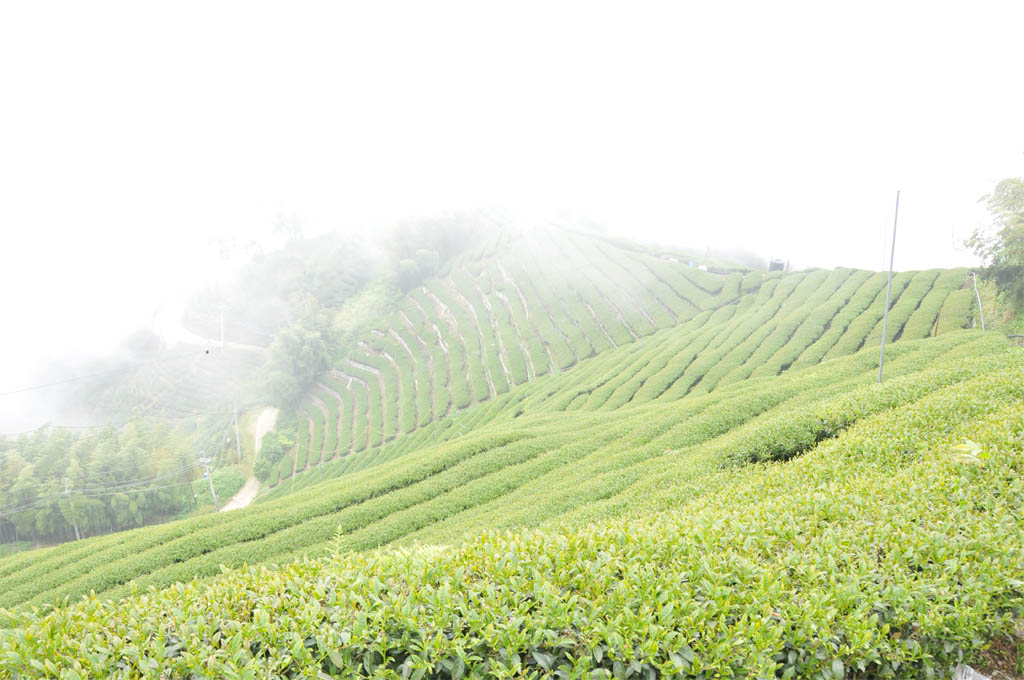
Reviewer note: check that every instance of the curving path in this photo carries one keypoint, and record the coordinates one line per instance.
(264, 424)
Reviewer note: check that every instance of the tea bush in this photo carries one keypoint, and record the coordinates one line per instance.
(868, 556)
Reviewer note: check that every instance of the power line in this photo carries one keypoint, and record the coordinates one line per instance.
(134, 483)
(126, 486)
(49, 499)
(101, 373)
(133, 419)
(119, 487)
(154, 488)
(183, 416)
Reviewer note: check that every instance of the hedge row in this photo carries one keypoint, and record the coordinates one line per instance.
(861, 328)
(154, 547)
(956, 312)
(880, 553)
(903, 307)
(788, 323)
(922, 322)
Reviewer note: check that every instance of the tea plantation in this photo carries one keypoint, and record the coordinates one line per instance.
(664, 545)
(604, 464)
(543, 302)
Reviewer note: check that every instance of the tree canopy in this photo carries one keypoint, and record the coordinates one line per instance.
(54, 481)
(1001, 245)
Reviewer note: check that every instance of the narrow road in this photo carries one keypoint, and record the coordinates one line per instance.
(167, 324)
(244, 495)
(264, 424)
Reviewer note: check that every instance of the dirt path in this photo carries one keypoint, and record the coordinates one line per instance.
(244, 495)
(264, 424)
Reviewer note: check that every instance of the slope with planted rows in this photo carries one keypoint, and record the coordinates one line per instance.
(543, 302)
(667, 546)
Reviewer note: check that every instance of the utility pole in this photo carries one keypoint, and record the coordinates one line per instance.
(238, 440)
(888, 289)
(978, 297)
(205, 462)
(74, 519)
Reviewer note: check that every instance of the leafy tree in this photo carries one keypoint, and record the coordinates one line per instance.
(409, 274)
(1001, 245)
(58, 478)
(262, 468)
(419, 249)
(298, 354)
(24, 492)
(274, 445)
(49, 519)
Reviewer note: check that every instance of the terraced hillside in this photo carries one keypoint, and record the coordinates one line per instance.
(521, 308)
(716, 436)
(521, 461)
(871, 546)
(543, 302)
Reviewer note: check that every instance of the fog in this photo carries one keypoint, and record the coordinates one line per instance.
(137, 140)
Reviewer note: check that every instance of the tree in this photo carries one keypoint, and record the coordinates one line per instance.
(409, 274)
(1001, 245)
(298, 355)
(274, 445)
(262, 469)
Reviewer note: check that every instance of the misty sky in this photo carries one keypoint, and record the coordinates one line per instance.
(133, 133)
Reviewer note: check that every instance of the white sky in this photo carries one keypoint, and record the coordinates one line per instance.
(132, 133)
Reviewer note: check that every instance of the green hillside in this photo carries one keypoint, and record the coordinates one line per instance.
(566, 456)
(541, 302)
(520, 462)
(879, 548)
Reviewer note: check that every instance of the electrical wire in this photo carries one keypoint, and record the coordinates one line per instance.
(95, 490)
(121, 487)
(138, 484)
(102, 373)
(154, 488)
(46, 501)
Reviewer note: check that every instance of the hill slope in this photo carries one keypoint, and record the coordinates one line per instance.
(643, 325)
(729, 446)
(877, 550)
(510, 470)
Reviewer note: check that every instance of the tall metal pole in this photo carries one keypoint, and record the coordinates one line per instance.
(981, 311)
(888, 289)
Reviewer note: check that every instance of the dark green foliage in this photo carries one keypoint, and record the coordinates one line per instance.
(104, 481)
(299, 354)
(409, 274)
(1002, 246)
(276, 443)
(226, 482)
(261, 469)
